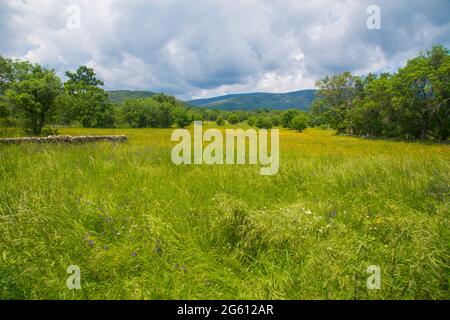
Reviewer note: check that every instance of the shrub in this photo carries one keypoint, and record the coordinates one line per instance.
(251, 121)
(233, 119)
(299, 122)
(220, 121)
(264, 123)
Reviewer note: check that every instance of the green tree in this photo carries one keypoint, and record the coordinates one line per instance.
(275, 117)
(182, 118)
(264, 123)
(10, 72)
(233, 119)
(251, 121)
(373, 112)
(85, 101)
(33, 97)
(423, 95)
(300, 122)
(337, 94)
(287, 116)
(220, 121)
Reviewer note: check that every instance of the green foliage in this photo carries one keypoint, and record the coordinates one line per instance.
(159, 111)
(300, 122)
(233, 119)
(414, 103)
(182, 118)
(84, 101)
(252, 121)
(118, 97)
(287, 116)
(220, 121)
(264, 123)
(33, 97)
(276, 120)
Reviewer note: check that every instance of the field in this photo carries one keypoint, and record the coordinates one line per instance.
(140, 227)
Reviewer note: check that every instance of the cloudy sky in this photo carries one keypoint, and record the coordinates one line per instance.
(203, 48)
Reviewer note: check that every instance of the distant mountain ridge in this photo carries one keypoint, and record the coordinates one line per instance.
(244, 101)
(249, 101)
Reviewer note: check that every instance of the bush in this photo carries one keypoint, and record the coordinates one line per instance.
(183, 119)
(251, 121)
(220, 121)
(264, 123)
(299, 122)
(276, 120)
(233, 119)
(287, 117)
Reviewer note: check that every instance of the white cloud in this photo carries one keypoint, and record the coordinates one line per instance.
(206, 47)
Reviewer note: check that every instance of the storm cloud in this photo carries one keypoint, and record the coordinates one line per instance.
(203, 48)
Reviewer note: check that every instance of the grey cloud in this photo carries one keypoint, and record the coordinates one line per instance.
(201, 47)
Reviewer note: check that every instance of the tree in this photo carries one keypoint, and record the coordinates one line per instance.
(158, 111)
(319, 115)
(182, 118)
(287, 117)
(220, 121)
(233, 119)
(33, 97)
(251, 121)
(373, 113)
(264, 123)
(300, 122)
(423, 95)
(85, 101)
(10, 72)
(276, 119)
(413, 103)
(337, 93)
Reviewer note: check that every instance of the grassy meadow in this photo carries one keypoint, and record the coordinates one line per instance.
(140, 227)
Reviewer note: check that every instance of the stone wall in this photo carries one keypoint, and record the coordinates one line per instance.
(64, 139)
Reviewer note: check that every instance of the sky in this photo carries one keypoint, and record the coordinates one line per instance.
(204, 48)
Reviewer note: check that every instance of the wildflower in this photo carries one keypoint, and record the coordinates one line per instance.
(91, 242)
(184, 269)
(106, 248)
(134, 254)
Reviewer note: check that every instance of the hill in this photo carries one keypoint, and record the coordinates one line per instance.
(118, 96)
(249, 101)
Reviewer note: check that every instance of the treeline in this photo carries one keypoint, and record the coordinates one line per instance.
(36, 99)
(413, 103)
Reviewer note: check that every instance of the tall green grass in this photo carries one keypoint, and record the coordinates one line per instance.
(140, 227)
